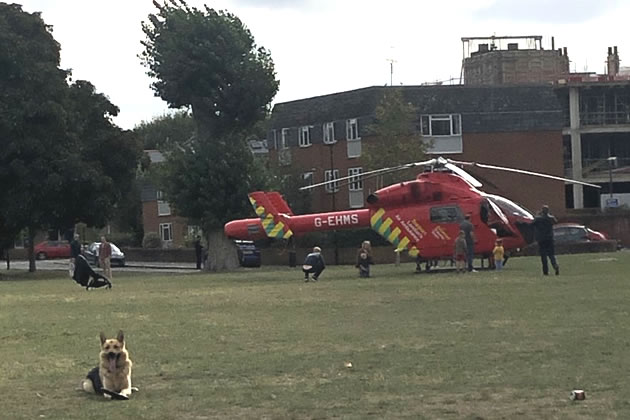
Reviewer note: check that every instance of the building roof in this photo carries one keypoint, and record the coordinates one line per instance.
(483, 108)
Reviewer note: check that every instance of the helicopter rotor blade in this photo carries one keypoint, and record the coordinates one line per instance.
(524, 172)
(369, 174)
(462, 173)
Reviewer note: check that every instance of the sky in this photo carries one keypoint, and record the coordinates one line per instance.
(327, 46)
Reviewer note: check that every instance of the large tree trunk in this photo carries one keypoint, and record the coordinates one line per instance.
(222, 254)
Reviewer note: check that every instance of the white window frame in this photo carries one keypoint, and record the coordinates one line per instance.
(331, 175)
(355, 184)
(164, 209)
(166, 228)
(455, 124)
(285, 139)
(352, 129)
(304, 136)
(329, 133)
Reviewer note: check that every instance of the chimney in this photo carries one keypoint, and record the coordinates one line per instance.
(553, 43)
(613, 61)
(483, 48)
(512, 46)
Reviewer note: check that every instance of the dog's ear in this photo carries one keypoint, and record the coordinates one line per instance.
(103, 338)
(121, 336)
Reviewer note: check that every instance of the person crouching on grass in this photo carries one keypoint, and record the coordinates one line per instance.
(314, 264)
(498, 252)
(460, 253)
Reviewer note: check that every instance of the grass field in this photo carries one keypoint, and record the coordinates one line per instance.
(263, 344)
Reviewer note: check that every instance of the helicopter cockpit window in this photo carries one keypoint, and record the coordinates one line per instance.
(510, 207)
(446, 214)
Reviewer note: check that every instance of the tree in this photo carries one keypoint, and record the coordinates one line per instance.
(207, 60)
(61, 158)
(396, 139)
(167, 131)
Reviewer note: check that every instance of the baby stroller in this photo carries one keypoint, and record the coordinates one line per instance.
(88, 278)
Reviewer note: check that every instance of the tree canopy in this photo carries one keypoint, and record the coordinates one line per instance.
(62, 160)
(399, 140)
(207, 61)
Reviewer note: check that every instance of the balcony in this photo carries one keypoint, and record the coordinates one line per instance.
(604, 118)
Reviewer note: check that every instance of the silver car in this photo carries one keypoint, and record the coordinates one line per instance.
(91, 254)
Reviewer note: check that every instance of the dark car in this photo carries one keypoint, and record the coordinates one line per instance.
(52, 249)
(574, 232)
(248, 254)
(91, 254)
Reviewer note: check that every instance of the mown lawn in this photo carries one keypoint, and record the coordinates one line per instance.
(263, 344)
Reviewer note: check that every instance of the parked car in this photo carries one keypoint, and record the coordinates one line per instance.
(574, 232)
(248, 254)
(52, 249)
(91, 254)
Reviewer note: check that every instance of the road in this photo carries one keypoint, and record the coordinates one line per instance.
(131, 266)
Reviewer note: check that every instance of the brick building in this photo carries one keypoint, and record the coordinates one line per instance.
(509, 125)
(157, 216)
(499, 60)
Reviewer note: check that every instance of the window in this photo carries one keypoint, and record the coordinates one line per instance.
(447, 214)
(166, 232)
(164, 209)
(331, 176)
(352, 129)
(304, 136)
(285, 139)
(441, 125)
(329, 133)
(307, 179)
(356, 183)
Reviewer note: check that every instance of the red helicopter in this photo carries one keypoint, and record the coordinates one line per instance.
(422, 216)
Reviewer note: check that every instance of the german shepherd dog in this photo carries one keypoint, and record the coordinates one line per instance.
(112, 377)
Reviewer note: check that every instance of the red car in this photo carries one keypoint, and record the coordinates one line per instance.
(52, 249)
(574, 232)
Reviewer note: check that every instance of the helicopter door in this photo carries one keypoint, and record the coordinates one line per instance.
(494, 217)
(443, 230)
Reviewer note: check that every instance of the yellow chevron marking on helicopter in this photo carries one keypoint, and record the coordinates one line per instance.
(376, 217)
(288, 234)
(274, 232)
(260, 210)
(403, 244)
(267, 220)
(393, 235)
(385, 226)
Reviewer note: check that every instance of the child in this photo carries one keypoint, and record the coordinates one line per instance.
(364, 259)
(498, 252)
(460, 252)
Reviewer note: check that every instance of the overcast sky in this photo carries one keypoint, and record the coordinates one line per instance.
(328, 46)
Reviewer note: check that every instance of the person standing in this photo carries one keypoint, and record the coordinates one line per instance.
(543, 232)
(313, 264)
(469, 235)
(498, 252)
(364, 259)
(460, 253)
(75, 251)
(198, 251)
(105, 257)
